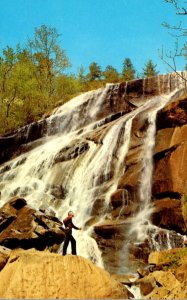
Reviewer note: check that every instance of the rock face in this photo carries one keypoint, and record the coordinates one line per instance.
(33, 274)
(23, 227)
(91, 155)
(168, 214)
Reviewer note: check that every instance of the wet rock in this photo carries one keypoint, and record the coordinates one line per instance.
(10, 144)
(98, 207)
(140, 251)
(71, 152)
(168, 214)
(122, 206)
(117, 198)
(173, 115)
(23, 227)
(170, 174)
(169, 137)
(130, 181)
(146, 285)
(109, 228)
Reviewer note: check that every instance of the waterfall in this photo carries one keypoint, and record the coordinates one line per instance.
(31, 175)
(81, 158)
(141, 226)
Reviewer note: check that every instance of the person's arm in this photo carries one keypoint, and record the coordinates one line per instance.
(75, 227)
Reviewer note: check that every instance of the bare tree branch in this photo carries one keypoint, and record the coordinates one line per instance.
(180, 10)
(177, 31)
(169, 58)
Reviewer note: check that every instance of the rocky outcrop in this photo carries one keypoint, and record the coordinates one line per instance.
(33, 274)
(23, 227)
(15, 144)
(169, 281)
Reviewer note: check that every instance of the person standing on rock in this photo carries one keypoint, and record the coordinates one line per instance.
(69, 238)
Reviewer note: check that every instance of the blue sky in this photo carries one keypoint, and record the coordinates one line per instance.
(105, 31)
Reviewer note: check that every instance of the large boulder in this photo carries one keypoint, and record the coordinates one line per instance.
(32, 274)
(23, 227)
(169, 280)
(162, 285)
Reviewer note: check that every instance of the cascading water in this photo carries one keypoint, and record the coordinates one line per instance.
(81, 159)
(31, 175)
(141, 225)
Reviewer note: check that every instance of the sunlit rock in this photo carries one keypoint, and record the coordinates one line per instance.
(23, 227)
(33, 274)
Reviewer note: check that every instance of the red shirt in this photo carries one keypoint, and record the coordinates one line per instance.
(68, 223)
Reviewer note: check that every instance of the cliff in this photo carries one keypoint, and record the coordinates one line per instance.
(117, 157)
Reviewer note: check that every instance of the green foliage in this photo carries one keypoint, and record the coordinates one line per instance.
(128, 71)
(67, 87)
(111, 75)
(150, 69)
(94, 72)
(47, 55)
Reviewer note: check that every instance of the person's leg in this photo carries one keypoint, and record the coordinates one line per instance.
(73, 245)
(66, 243)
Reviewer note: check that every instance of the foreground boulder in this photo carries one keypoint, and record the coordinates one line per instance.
(35, 274)
(169, 279)
(23, 227)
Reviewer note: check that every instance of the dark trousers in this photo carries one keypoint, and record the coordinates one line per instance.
(69, 238)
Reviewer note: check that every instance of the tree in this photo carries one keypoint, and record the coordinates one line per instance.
(67, 87)
(169, 57)
(128, 71)
(32, 79)
(81, 77)
(49, 57)
(6, 65)
(94, 71)
(111, 74)
(150, 69)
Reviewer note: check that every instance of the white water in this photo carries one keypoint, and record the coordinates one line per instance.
(32, 178)
(141, 225)
(92, 175)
